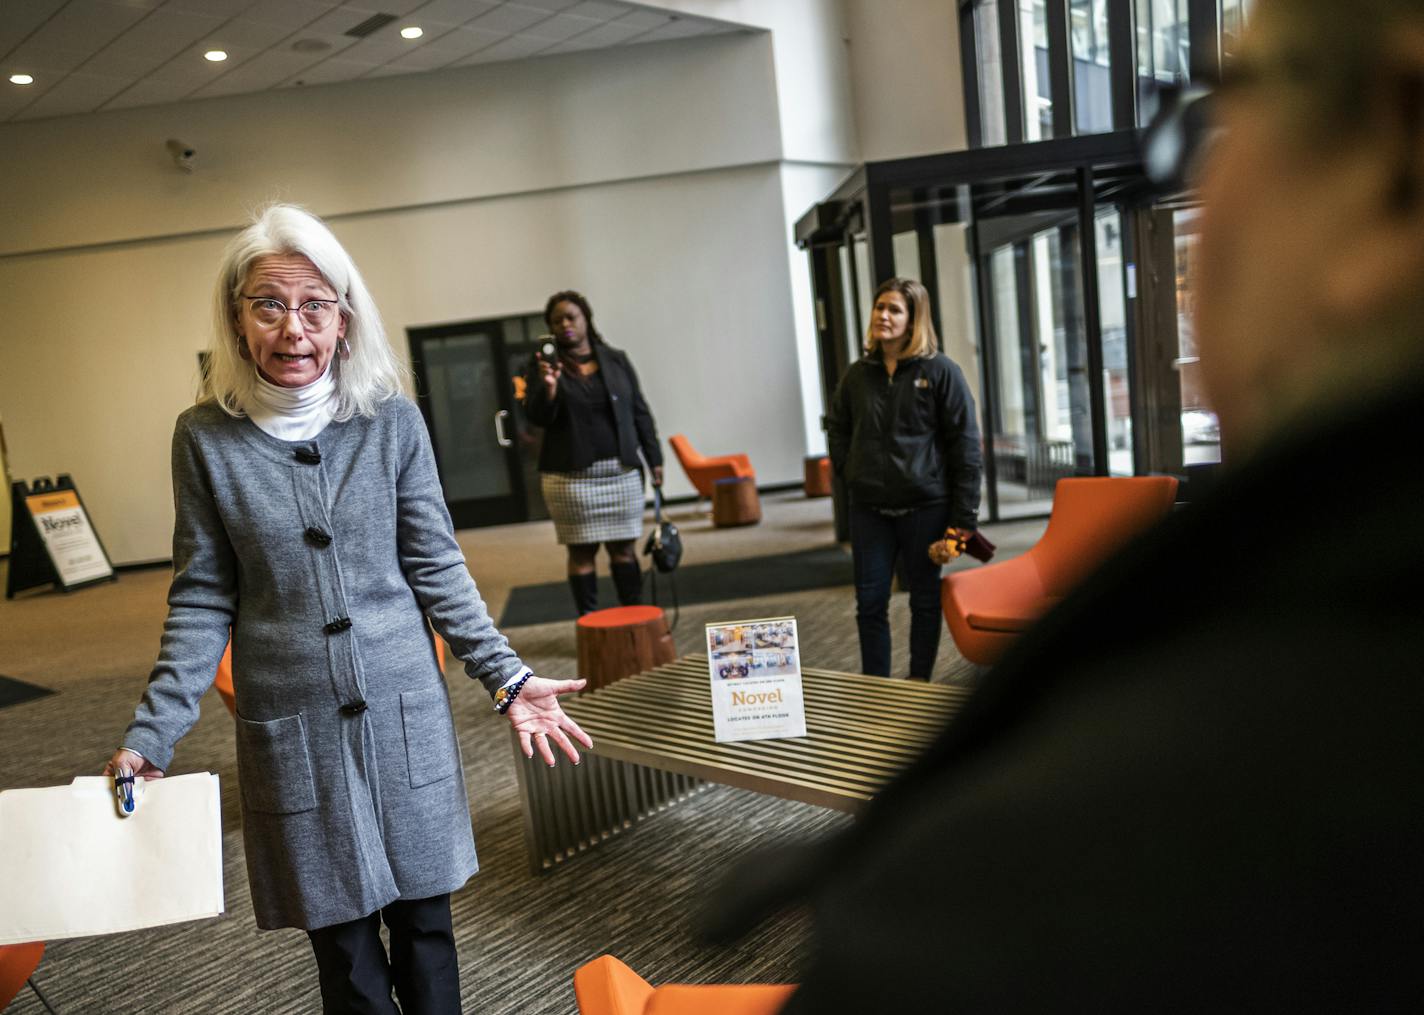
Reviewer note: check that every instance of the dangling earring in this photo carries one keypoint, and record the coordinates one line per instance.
(343, 348)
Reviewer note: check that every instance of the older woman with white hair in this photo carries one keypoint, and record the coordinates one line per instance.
(310, 525)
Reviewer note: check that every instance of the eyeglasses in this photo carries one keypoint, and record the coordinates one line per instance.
(270, 312)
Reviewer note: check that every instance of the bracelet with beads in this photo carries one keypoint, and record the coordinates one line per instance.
(505, 696)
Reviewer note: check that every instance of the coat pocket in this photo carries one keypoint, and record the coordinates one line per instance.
(431, 753)
(275, 765)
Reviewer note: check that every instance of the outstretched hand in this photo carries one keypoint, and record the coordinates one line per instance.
(539, 720)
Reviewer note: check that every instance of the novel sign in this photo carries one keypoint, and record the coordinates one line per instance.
(52, 540)
(755, 666)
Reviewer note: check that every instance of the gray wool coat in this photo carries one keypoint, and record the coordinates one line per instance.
(325, 557)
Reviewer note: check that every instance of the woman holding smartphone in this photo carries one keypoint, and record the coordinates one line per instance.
(587, 398)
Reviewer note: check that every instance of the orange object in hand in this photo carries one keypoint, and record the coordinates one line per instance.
(951, 546)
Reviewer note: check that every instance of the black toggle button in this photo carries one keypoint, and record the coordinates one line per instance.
(318, 536)
(337, 626)
(354, 708)
(308, 456)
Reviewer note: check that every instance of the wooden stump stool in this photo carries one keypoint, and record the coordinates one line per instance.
(735, 502)
(818, 476)
(618, 642)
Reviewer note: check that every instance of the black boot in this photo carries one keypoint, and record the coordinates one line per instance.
(585, 590)
(628, 580)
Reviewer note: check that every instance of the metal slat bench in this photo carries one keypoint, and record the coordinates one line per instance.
(654, 746)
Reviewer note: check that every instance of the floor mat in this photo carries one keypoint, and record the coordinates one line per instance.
(822, 567)
(13, 691)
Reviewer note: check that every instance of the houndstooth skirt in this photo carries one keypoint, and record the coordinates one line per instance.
(602, 503)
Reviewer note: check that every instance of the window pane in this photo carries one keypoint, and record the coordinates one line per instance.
(1112, 305)
(464, 396)
(1163, 51)
(1041, 430)
(1038, 100)
(865, 286)
(1012, 421)
(1201, 436)
(906, 248)
(1092, 79)
(959, 333)
(1234, 15)
(991, 71)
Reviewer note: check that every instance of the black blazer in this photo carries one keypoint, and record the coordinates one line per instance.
(1194, 785)
(566, 444)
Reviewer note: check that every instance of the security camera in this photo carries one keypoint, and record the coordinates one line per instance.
(183, 154)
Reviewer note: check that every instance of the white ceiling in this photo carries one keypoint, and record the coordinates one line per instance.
(88, 55)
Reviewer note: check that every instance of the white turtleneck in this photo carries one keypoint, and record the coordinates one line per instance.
(294, 414)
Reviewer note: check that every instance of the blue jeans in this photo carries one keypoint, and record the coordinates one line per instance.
(876, 540)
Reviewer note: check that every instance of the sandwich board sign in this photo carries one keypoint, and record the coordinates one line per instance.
(52, 539)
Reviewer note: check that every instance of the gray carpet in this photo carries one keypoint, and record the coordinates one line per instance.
(520, 936)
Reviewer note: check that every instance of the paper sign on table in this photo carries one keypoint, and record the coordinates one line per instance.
(755, 667)
(74, 868)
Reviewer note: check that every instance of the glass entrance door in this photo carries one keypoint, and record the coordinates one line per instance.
(1179, 429)
(1039, 414)
(467, 395)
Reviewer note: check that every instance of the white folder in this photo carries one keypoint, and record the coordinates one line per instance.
(72, 867)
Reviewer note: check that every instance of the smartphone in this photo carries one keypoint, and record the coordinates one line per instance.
(548, 352)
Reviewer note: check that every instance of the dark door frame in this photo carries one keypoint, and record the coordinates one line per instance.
(477, 513)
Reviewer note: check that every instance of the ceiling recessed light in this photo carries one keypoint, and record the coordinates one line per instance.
(412, 32)
(21, 79)
(215, 55)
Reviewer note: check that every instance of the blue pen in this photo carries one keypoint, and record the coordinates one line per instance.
(124, 792)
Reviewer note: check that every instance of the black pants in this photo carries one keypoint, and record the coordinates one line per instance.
(876, 542)
(356, 975)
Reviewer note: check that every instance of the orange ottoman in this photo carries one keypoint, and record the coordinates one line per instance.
(735, 502)
(620, 641)
(818, 476)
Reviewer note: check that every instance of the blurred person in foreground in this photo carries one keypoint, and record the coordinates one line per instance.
(1197, 784)
(310, 522)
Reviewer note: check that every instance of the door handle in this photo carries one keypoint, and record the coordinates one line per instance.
(499, 434)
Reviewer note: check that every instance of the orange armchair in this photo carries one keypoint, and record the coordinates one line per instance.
(703, 471)
(986, 608)
(17, 964)
(606, 986)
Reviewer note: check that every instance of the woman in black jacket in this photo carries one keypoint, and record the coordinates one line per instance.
(588, 400)
(904, 440)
